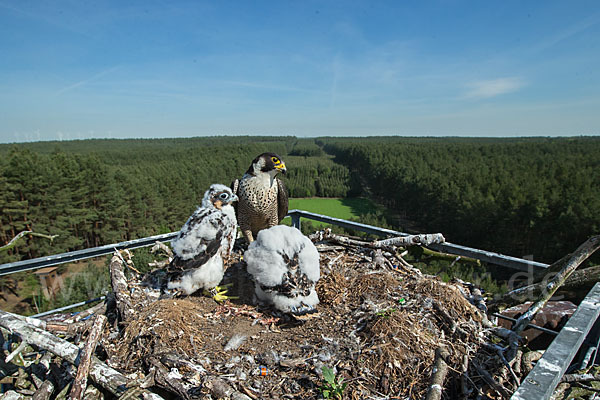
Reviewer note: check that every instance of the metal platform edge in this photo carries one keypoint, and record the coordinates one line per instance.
(547, 373)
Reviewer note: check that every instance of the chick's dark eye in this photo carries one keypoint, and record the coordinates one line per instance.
(223, 196)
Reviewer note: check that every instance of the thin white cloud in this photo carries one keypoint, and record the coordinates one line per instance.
(268, 86)
(493, 87)
(568, 32)
(86, 81)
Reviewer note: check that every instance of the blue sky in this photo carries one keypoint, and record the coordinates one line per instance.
(115, 69)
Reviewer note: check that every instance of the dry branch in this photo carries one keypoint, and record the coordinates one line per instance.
(490, 380)
(66, 328)
(78, 387)
(103, 375)
(13, 241)
(386, 244)
(412, 240)
(579, 256)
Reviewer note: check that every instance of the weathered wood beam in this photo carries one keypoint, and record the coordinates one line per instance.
(547, 373)
(120, 288)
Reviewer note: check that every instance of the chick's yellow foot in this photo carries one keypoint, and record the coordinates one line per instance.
(218, 293)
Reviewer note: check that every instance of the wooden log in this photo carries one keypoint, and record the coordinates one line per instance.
(85, 361)
(438, 375)
(579, 256)
(120, 288)
(105, 376)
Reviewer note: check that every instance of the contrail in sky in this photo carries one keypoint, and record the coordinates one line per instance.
(86, 81)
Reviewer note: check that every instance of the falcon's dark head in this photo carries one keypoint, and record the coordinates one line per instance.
(218, 196)
(267, 162)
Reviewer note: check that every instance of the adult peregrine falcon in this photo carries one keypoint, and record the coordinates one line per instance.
(285, 266)
(263, 197)
(206, 237)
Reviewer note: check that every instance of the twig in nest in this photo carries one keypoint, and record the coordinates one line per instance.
(490, 380)
(513, 341)
(15, 353)
(587, 387)
(500, 352)
(129, 261)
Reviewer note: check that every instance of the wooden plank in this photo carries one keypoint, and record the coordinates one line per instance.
(451, 248)
(546, 375)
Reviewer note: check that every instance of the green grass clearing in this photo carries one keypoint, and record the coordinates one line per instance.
(346, 208)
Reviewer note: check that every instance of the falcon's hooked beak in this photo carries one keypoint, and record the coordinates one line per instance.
(281, 167)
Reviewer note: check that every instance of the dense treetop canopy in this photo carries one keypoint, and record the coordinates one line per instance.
(525, 196)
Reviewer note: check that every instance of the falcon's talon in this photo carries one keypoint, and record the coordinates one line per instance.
(218, 293)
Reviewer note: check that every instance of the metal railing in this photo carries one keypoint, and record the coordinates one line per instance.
(451, 248)
(296, 215)
(57, 259)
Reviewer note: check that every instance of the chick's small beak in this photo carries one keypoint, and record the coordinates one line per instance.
(234, 198)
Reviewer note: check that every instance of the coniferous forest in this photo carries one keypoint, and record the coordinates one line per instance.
(533, 196)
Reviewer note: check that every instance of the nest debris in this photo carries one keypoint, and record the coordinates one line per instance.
(381, 327)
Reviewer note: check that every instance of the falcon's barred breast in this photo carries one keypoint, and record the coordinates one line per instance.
(206, 237)
(263, 199)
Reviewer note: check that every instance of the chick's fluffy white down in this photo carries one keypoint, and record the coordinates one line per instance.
(268, 267)
(206, 277)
